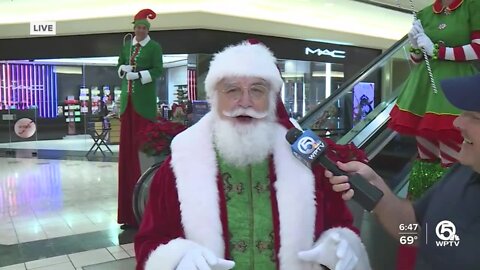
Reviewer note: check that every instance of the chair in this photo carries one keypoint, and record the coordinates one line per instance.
(99, 139)
(140, 192)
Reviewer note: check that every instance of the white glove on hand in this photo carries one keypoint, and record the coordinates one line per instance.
(416, 29)
(203, 259)
(126, 68)
(132, 76)
(425, 42)
(333, 252)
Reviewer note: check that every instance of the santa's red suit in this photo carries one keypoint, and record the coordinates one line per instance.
(187, 204)
(188, 210)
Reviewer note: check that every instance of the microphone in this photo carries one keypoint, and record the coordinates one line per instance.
(310, 149)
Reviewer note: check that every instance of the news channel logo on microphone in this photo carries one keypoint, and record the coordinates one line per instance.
(308, 147)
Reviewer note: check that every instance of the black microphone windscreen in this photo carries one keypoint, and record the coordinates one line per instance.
(293, 134)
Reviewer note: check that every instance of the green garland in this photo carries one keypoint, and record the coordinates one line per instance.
(436, 47)
(415, 50)
(418, 51)
(423, 176)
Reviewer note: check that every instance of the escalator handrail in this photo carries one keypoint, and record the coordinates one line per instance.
(346, 86)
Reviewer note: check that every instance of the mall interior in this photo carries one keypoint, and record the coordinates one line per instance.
(342, 64)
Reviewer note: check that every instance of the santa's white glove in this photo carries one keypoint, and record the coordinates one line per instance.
(126, 68)
(416, 29)
(426, 43)
(333, 252)
(132, 76)
(203, 259)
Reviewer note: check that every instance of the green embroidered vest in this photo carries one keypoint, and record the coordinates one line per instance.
(249, 211)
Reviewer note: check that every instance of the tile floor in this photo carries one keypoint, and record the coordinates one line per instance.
(59, 214)
(42, 199)
(72, 147)
(69, 143)
(95, 259)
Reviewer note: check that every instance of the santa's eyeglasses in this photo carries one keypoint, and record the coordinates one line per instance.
(255, 91)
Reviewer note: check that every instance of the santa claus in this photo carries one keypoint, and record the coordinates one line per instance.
(232, 195)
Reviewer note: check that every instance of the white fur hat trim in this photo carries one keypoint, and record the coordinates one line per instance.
(244, 59)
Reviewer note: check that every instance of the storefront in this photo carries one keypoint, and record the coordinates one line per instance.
(58, 85)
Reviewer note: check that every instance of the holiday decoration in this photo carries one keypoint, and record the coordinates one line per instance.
(423, 176)
(155, 138)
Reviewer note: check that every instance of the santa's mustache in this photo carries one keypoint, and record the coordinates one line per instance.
(245, 112)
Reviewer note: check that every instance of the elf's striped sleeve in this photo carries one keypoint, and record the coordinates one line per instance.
(462, 53)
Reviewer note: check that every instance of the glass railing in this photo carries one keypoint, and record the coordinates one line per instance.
(362, 104)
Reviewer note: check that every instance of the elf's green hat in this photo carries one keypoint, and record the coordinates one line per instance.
(141, 17)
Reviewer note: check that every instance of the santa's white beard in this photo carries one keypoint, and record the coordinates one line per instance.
(243, 144)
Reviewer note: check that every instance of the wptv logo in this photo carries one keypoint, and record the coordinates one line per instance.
(308, 145)
(447, 233)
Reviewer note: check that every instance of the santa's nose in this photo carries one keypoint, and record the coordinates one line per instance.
(245, 100)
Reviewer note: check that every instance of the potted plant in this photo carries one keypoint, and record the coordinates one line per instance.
(155, 139)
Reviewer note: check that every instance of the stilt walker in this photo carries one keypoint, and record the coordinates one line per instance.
(139, 65)
(444, 39)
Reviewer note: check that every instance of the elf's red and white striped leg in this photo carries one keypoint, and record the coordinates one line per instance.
(427, 150)
(449, 152)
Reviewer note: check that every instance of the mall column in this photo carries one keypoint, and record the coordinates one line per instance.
(139, 65)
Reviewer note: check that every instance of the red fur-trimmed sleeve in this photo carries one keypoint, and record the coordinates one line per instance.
(161, 221)
(332, 211)
(345, 153)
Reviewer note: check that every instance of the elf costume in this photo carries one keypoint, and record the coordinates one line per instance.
(421, 112)
(427, 115)
(261, 215)
(139, 65)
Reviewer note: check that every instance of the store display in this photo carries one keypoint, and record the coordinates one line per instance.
(25, 85)
(95, 100)
(84, 98)
(106, 91)
(71, 111)
(116, 100)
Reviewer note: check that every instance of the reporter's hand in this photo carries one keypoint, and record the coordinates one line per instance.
(340, 183)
